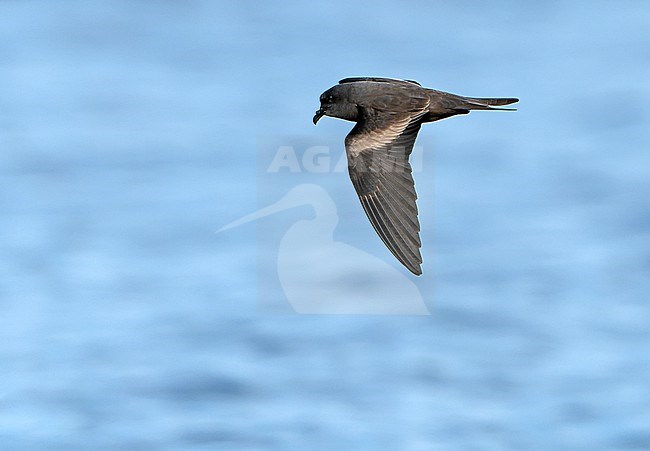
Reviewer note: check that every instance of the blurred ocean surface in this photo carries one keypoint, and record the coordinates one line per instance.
(128, 136)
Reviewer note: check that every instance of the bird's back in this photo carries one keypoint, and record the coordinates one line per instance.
(391, 96)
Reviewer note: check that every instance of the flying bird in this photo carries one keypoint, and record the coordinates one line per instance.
(388, 115)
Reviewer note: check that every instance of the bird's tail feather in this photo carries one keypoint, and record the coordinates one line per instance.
(474, 103)
(494, 102)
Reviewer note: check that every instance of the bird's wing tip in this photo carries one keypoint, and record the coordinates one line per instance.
(378, 79)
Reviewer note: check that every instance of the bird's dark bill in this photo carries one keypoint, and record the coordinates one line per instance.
(320, 113)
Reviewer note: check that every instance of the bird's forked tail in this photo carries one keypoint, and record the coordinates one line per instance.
(475, 103)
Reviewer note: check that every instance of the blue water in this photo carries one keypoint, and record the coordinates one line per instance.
(128, 136)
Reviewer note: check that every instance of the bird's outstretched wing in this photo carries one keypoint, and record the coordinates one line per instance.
(378, 148)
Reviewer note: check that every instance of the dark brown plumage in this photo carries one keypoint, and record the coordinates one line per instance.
(388, 115)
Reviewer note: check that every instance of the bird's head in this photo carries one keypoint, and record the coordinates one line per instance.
(335, 102)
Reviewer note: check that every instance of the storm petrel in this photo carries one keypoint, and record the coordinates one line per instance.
(388, 115)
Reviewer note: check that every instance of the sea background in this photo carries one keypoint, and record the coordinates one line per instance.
(130, 133)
